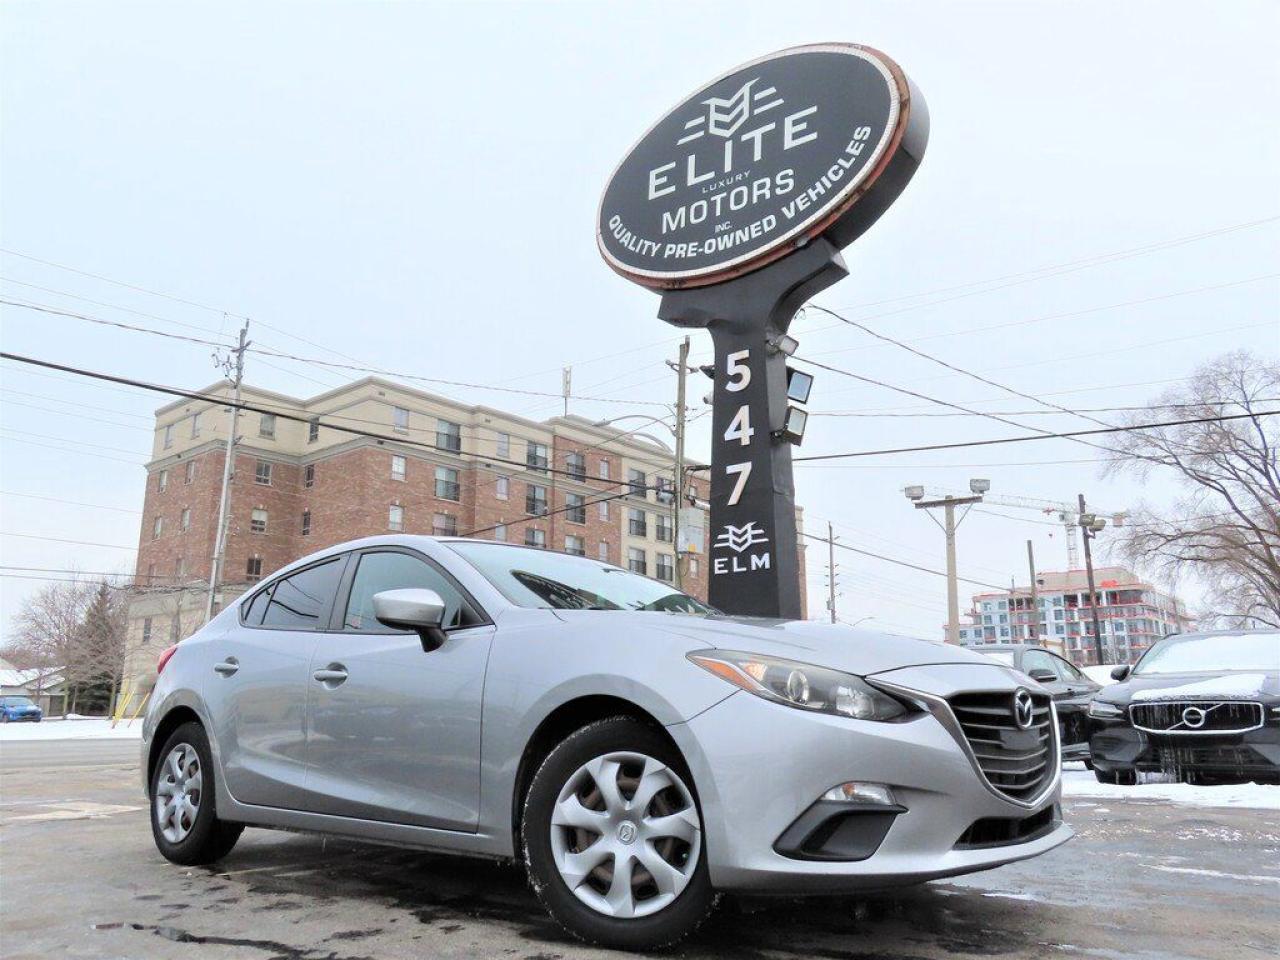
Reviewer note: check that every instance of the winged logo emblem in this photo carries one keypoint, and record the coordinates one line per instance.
(741, 538)
(726, 115)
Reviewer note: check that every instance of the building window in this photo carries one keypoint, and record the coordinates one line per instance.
(309, 475)
(162, 481)
(535, 500)
(185, 521)
(602, 551)
(500, 532)
(395, 518)
(447, 487)
(397, 467)
(637, 524)
(313, 431)
(253, 569)
(576, 464)
(157, 528)
(575, 508)
(306, 523)
(536, 457)
(444, 525)
(575, 546)
(636, 562)
(262, 473)
(693, 566)
(502, 446)
(168, 436)
(502, 488)
(146, 630)
(535, 538)
(190, 473)
(604, 469)
(602, 509)
(258, 521)
(267, 426)
(666, 568)
(400, 419)
(635, 482)
(663, 528)
(448, 436)
(195, 425)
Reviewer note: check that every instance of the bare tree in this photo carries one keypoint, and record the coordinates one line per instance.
(48, 630)
(1226, 526)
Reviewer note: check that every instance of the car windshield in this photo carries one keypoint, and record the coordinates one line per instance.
(16, 702)
(1005, 658)
(540, 578)
(1212, 654)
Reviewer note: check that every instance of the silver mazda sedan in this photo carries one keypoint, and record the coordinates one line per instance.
(636, 750)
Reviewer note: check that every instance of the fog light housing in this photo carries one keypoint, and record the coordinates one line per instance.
(876, 794)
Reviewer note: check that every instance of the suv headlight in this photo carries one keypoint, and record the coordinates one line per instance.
(1101, 710)
(800, 685)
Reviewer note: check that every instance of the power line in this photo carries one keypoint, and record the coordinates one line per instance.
(1050, 436)
(900, 563)
(89, 573)
(1043, 413)
(81, 543)
(73, 503)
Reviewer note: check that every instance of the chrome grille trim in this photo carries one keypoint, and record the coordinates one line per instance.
(941, 711)
(1221, 717)
(986, 718)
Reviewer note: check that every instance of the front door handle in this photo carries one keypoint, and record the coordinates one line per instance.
(332, 675)
(227, 667)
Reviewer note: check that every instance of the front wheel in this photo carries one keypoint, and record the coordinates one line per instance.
(613, 838)
(184, 819)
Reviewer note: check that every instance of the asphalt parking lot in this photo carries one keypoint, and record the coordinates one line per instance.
(79, 877)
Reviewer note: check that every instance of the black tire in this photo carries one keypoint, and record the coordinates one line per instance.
(208, 839)
(661, 929)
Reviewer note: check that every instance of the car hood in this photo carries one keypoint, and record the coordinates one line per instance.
(861, 652)
(1233, 685)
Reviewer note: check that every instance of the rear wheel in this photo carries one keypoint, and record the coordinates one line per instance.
(184, 818)
(613, 838)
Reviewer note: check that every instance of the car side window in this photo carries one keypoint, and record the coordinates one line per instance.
(1068, 671)
(1037, 660)
(392, 570)
(256, 606)
(301, 600)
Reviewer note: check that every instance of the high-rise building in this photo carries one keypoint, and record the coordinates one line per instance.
(439, 467)
(1132, 612)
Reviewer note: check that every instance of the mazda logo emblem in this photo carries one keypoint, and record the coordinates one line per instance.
(1023, 709)
(1193, 717)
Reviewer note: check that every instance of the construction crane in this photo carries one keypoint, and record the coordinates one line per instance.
(1067, 514)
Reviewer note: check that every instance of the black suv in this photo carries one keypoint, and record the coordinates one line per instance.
(1204, 707)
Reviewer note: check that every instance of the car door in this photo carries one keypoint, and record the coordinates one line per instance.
(256, 694)
(1074, 702)
(393, 730)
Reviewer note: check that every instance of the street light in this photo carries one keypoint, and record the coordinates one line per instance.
(915, 493)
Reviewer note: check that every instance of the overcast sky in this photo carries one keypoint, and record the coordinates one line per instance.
(414, 185)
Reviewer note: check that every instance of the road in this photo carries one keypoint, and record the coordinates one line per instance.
(81, 879)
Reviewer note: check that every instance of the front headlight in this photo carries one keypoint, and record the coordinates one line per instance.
(800, 685)
(1101, 710)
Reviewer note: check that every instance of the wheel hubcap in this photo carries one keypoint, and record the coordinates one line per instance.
(179, 790)
(625, 834)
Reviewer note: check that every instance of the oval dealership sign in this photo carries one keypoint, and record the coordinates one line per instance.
(761, 161)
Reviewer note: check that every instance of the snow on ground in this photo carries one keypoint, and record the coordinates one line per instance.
(95, 728)
(1077, 783)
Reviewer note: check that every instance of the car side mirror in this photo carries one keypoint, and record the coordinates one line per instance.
(413, 608)
(1120, 672)
(1043, 675)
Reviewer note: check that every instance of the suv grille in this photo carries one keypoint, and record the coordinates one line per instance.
(1018, 763)
(1196, 716)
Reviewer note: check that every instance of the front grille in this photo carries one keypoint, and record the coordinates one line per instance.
(1217, 757)
(1196, 716)
(1018, 763)
(1002, 831)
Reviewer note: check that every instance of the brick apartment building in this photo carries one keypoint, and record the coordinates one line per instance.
(1133, 615)
(449, 469)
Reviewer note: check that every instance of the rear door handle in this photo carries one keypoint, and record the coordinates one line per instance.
(227, 667)
(331, 675)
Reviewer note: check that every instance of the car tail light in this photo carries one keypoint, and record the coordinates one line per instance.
(165, 657)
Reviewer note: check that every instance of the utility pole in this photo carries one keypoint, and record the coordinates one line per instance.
(1089, 527)
(949, 525)
(220, 539)
(1035, 596)
(566, 379)
(682, 369)
(831, 572)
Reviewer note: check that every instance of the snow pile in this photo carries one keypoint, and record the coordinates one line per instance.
(1078, 782)
(95, 728)
(1232, 686)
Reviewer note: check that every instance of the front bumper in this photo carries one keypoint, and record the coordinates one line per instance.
(34, 717)
(1115, 745)
(759, 767)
